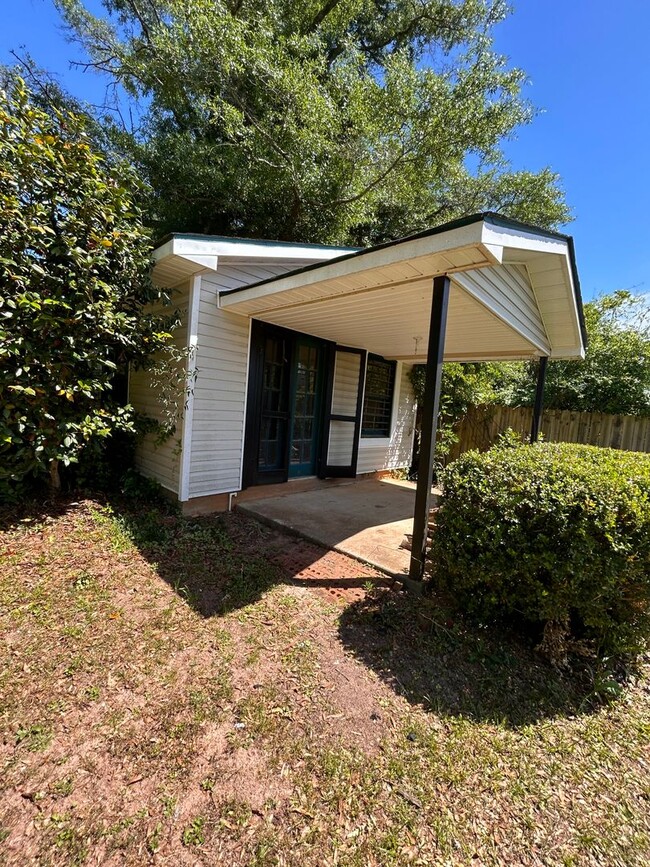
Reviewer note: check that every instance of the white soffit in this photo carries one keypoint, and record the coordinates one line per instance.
(394, 322)
(520, 279)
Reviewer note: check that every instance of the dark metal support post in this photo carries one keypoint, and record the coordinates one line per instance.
(430, 408)
(539, 399)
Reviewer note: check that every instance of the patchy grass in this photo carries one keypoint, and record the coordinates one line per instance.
(168, 696)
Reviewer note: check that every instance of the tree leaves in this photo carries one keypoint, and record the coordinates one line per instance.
(615, 375)
(351, 121)
(74, 279)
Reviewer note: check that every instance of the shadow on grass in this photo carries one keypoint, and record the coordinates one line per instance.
(29, 513)
(452, 669)
(222, 563)
(216, 563)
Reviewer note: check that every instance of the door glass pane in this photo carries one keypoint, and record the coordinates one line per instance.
(274, 416)
(302, 450)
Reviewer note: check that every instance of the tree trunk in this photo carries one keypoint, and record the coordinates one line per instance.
(55, 478)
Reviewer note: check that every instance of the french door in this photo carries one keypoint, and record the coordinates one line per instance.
(305, 399)
(307, 374)
(284, 415)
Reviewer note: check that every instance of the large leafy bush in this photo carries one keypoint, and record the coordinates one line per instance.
(556, 534)
(74, 282)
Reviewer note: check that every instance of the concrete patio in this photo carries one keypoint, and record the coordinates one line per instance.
(365, 519)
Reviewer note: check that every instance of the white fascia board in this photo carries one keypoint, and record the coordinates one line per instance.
(195, 255)
(573, 306)
(521, 239)
(198, 252)
(568, 353)
(166, 249)
(514, 241)
(183, 262)
(454, 239)
(289, 252)
(191, 248)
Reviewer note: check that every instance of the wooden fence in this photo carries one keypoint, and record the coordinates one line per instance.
(483, 424)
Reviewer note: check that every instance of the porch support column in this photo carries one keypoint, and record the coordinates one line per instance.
(430, 408)
(539, 399)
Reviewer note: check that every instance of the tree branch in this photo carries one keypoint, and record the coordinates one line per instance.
(382, 176)
(321, 15)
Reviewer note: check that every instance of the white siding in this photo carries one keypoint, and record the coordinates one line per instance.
(160, 462)
(220, 394)
(394, 451)
(219, 413)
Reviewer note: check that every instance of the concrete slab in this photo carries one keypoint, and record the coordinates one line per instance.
(366, 520)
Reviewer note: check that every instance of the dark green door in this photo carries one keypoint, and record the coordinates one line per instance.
(285, 405)
(274, 419)
(306, 388)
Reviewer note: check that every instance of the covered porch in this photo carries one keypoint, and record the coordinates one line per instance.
(367, 519)
(480, 289)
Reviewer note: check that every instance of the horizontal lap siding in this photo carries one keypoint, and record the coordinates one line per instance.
(377, 455)
(219, 398)
(219, 412)
(161, 461)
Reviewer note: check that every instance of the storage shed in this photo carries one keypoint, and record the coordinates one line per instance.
(300, 353)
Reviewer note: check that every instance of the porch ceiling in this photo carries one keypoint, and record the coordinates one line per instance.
(514, 294)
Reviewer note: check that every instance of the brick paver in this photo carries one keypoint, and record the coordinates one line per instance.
(337, 577)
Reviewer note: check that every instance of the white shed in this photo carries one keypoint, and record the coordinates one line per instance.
(301, 352)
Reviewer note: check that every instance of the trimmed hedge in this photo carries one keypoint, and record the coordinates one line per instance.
(556, 534)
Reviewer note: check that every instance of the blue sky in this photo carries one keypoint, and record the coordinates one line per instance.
(589, 68)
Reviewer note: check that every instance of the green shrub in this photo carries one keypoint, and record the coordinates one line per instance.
(75, 262)
(556, 534)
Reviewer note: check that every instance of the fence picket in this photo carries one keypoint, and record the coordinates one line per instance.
(483, 424)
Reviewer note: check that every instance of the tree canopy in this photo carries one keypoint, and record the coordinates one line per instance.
(74, 282)
(326, 120)
(615, 374)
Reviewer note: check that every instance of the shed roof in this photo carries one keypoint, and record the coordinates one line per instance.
(515, 293)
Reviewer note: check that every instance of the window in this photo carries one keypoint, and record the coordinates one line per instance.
(378, 398)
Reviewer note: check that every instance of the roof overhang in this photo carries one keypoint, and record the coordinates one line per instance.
(178, 257)
(514, 294)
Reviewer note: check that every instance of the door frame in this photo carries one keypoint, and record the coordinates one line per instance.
(252, 475)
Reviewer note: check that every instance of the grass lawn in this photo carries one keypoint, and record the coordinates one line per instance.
(169, 696)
